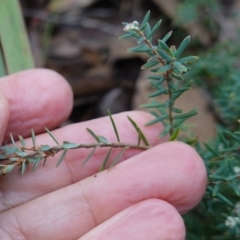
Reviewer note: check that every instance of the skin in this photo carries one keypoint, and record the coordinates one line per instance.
(141, 197)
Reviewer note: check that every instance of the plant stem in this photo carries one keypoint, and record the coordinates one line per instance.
(166, 77)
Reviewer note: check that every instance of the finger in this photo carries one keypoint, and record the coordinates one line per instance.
(37, 98)
(4, 110)
(171, 171)
(152, 217)
(16, 189)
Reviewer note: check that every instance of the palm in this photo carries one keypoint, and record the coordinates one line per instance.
(138, 198)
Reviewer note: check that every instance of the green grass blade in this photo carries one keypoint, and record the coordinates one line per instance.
(3, 70)
(14, 40)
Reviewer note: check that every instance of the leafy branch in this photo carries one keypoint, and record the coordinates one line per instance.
(170, 72)
(21, 156)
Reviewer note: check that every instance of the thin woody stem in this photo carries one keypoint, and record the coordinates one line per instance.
(166, 77)
(55, 149)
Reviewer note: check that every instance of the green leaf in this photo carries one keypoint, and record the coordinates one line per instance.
(3, 69)
(187, 60)
(183, 117)
(156, 120)
(231, 167)
(167, 36)
(140, 133)
(10, 150)
(45, 148)
(145, 21)
(210, 149)
(157, 78)
(157, 93)
(176, 72)
(178, 77)
(179, 92)
(51, 135)
(114, 125)
(33, 138)
(164, 55)
(216, 189)
(179, 66)
(217, 177)
(152, 105)
(141, 48)
(7, 169)
(36, 162)
(164, 46)
(182, 47)
(186, 115)
(176, 110)
(103, 139)
(174, 134)
(14, 40)
(129, 34)
(140, 40)
(224, 199)
(12, 139)
(233, 136)
(69, 145)
(3, 157)
(156, 27)
(165, 131)
(62, 157)
(22, 141)
(23, 167)
(164, 69)
(148, 32)
(103, 166)
(117, 158)
(21, 154)
(93, 134)
(150, 64)
(89, 156)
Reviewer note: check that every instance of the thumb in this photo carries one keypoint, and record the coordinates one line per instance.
(4, 115)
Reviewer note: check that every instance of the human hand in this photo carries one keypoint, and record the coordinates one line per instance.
(140, 198)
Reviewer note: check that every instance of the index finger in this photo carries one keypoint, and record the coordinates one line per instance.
(37, 98)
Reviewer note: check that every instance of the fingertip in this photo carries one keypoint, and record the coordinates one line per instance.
(152, 217)
(4, 110)
(38, 98)
(189, 171)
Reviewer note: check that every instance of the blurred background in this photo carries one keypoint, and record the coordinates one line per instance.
(79, 39)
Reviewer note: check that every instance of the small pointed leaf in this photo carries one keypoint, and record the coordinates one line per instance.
(103, 166)
(89, 156)
(150, 64)
(174, 134)
(68, 145)
(62, 157)
(164, 69)
(182, 47)
(22, 141)
(117, 158)
(33, 138)
(141, 135)
(103, 139)
(157, 93)
(187, 60)
(167, 36)
(114, 126)
(51, 135)
(93, 134)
